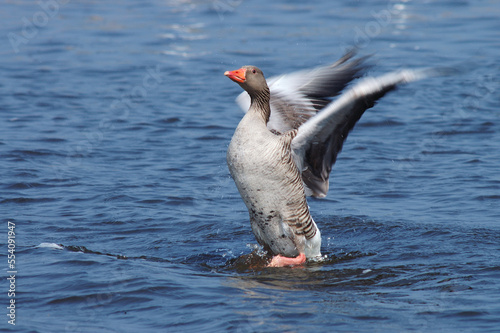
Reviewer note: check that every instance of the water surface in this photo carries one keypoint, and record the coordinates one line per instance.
(115, 119)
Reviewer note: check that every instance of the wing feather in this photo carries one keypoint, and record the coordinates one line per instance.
(320, 139)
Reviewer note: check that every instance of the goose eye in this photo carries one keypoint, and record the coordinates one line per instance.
(254, 71)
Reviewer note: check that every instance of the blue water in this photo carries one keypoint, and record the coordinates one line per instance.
(115, 119)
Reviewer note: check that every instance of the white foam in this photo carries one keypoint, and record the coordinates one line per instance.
(51, 246)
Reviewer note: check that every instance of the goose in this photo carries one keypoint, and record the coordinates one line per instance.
(284, 147)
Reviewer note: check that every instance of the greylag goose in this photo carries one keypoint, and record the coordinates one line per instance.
(286, 144)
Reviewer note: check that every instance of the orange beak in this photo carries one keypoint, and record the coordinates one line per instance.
(237, 75)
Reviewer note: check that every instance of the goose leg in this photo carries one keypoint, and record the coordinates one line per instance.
(281, 261)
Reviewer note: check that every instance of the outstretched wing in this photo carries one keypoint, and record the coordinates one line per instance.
(320, 139)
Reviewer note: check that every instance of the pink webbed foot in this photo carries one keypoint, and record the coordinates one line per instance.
(281, 261)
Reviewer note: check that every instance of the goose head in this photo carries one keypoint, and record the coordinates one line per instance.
(250, 78)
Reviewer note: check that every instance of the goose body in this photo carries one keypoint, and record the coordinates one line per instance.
(284, 147)
(262, 166)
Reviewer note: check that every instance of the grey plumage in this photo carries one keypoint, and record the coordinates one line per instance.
(299, 96)
(286, 144)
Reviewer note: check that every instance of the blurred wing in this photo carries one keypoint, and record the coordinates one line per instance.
(320, 139)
